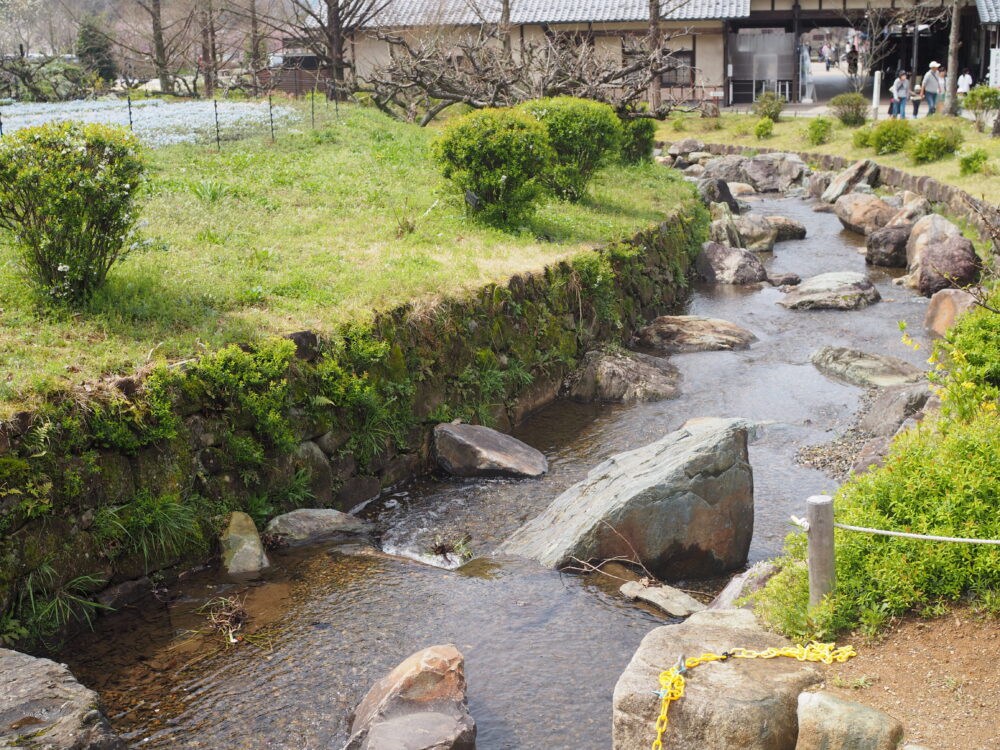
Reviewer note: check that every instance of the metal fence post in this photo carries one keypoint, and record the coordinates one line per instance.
(822, 561)
(218, 140)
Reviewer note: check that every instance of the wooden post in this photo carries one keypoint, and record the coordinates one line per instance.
(822, 563)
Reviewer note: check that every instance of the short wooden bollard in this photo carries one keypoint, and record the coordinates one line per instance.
(822, 560)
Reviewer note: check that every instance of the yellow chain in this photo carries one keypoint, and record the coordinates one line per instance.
(672, 680)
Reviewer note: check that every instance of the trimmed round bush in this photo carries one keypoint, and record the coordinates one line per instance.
(769, 105)
(820, 129)
(891, 136)
(850, 109)
(638, 139)
(764, 128)
(584, 135)
(496, 157)
(67, 194)
(935, 144)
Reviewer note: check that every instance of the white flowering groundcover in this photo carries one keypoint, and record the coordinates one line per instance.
(154, 121)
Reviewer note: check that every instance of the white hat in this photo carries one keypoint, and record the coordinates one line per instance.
(934, 65)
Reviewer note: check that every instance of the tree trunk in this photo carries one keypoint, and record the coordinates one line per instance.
(160, 48)
(655, 38)
(256, 63)
(207, 66)
(505, 24)
(953, 45)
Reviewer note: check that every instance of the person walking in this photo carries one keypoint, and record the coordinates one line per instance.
(931, 86)
(900, 93)
(852, 61)
(916, 96)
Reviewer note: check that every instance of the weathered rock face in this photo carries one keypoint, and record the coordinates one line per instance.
(685, 146)
(622, 378)
(872, 455)
(693, 333)
(43, 706)
(946, 307)
(741, 189)
(862, 213)
(420, 705)
(694, 170)
(893, 407)
(744, 584)
(826, 721)
(864, 172)
(722, 264)
(787, 229)
(310, 455)
(467, 450)
(757, 232)
(818, 183)
(713, 190)
(887, 246)
(912, 211)
(673, 601)
(723, 228)
(738, 703)
(242, 551)
(950, 264)
(683, 503)
(313, 524)
(775, 173)
(832, 291)
(784, 279)
(863, 368)
(931, 230)
(729, 168)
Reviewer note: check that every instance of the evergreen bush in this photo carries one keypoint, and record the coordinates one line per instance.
(891, 136)
(851, 109)
(935, 144)
(820, 129)
(769, 105)
(638, 139)
(764, 128)
(984, 103)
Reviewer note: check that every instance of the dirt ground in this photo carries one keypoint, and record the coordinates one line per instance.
(940, 677)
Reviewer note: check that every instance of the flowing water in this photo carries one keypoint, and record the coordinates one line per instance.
(543, 650)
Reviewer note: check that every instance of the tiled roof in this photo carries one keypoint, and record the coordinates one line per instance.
(472, 12)
(989, 10)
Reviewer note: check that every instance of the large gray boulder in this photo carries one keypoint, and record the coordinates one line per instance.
(43, 706)
(892, 407)
(307, 525)
(750, 704)
(931, 230)
(467, 450)
(947, 265)
(713, 190)
(832, 291)
(683, 505)
(862, 213)
(864, 172)
(863, 368)
(622, 378)
(775, 173)
(242, 550)
(729, 168)
(787, 229)
(723, 228)
(757, 232)
(887, 246)
(685, 146)
(694, 333)
(420, 705)
(826, 722)
(722, 264)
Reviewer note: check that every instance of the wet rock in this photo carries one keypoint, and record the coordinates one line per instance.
(887, 246)
(738, 703)
(823, 208)
(357, 490)
(311, 457)
(892, 407)
(666, 598)
(468, 450)
(722, 264)
(685, 146)
(946, 307)
(947, 265)
(757, 232)
(826, 721)
(864, 172)
(784, 279)
(741, 189)
(43, 706)
(775, 173)
(787, 229)
(744, 584)
(723, 228)
(242, 551)
(420, 705)
(683, 505)
(693, 333)
(729, 168)
(622, 378)
(927, 232)
(912, 211)
(863, 368)
(872, 455)
(832, 291)
(713, 190)
(307, 525)
(400, 469)
(862, 213)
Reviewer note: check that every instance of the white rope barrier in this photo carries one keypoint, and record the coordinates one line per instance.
(906, 535)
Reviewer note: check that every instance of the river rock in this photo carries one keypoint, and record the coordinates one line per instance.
(312, 524)
(757, 232)
(818, 183)
(685, 146)
(750, 704)
(892, 407)
(242, 550)
(723, 228)
(741, 189)
(787, 229)
(722, 264)
(622, 378)
(946, 307)
(467, 450)
(946, 265)
(312, 457)
(673, 601)
(43, 706)
(872, 455)
(729, 168)
(864, 172)
(746, 583)
(713, 190)
(931, 230)
(694, 170)
(784, 279)
(832, 291)
(913, 210)
(826, 721)
(683, 505)
(697, 157)
(887, 246)
(775, 173)
(863, 368)
(693, 333)
(862, 213)
(420, 705)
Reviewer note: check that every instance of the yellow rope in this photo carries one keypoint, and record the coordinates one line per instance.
(672, 680)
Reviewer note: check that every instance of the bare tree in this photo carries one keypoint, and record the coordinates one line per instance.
(655, 44)
(951, 85)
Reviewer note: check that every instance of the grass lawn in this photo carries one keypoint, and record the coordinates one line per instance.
(309, 232)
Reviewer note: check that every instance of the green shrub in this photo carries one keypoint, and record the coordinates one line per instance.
(982, 101)
(638, 139)
(67, 194)
(769, 105)
(935, 144)
(820, 129)
(584, 134)
(891, 136)
(975, 161)
(850, 109)
(764, 128)
(496, 157)
(863, 137)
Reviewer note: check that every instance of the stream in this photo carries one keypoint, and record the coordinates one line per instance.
(543, 650)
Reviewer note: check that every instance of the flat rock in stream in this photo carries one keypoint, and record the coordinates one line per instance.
(43, 706)
(842, 290)
(787, 229)
(668, 599)
(693, 333)
(468, 450)
(622, 378)
(863, 213)
(864, 368)
(313, 524)
(757, 232)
